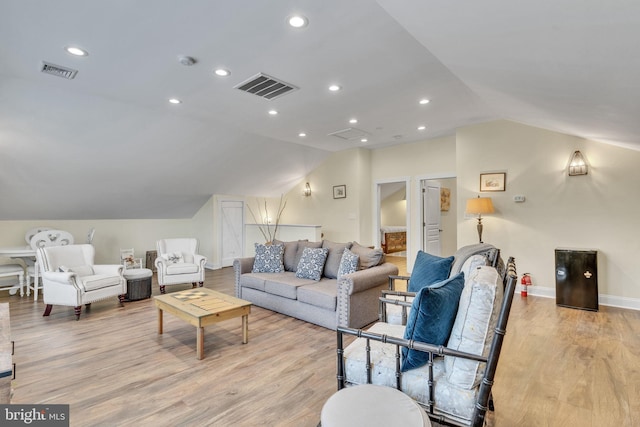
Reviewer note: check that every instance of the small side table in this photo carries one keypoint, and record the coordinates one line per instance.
(372, 405)
(150, 261)
(138, 283)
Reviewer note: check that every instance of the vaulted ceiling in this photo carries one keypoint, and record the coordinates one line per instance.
(107, 144)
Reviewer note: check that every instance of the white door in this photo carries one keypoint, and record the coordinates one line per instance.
(431, 217)
(231, 223)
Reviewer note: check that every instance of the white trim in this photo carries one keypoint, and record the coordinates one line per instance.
(603, 299)
(212, 266)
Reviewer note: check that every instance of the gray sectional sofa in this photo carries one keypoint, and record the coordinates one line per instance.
(351, 300)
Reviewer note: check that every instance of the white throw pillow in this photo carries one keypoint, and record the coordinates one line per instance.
(474, 326)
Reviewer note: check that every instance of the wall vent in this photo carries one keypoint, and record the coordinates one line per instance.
(265, 86)
(350, 134)
(57, 70)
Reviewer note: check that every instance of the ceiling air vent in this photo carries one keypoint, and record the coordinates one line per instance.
(265, 86)
(57, 70)
(350, 134)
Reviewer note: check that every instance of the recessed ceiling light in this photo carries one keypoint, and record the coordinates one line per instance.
(175, 101)
(298, 21)
(76, 51)
(273, 112)
(353, 121)
(364, 140)
(424, 101)
(302, 134)
(222, 72)
(422, 127)
(334, 88)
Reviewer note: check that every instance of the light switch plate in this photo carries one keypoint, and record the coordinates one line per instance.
(518, 199)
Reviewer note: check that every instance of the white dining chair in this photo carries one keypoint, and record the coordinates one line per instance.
(9, 270)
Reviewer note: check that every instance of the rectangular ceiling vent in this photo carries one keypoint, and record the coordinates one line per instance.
(350, 134)
(265, 86)
(57, 70)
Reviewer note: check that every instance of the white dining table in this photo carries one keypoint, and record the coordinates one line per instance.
(28, 255)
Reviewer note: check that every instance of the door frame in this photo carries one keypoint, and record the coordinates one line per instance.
(376, 208)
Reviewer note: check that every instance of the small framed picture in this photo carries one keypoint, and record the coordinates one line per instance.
(339, 191)
(492, 181)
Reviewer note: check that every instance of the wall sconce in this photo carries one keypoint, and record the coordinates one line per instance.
(479, 206)
(577, 164)
(307, 190)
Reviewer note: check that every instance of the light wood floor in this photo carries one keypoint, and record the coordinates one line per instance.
(559, 366)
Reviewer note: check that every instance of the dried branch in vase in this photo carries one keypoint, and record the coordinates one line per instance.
(268, 230)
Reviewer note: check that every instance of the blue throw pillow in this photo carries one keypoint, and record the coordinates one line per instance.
(427, 270)
(431, 318)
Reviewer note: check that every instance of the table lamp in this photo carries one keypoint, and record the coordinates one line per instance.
(479, 206)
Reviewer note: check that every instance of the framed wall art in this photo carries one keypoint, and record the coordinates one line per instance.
(339, 191)
(492, 181)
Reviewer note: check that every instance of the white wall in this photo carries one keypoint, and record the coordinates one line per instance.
(393, 209)
(110, 235)
(421, 160)
(202, 228)
(342, 220)
(596, 211)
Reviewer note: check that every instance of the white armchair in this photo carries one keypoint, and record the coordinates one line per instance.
(178, 262)
(69, 277)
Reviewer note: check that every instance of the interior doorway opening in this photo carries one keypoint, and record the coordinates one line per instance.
(392, 226)
(438, 213)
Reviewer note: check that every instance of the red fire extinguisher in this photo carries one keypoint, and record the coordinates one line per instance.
(525, 282)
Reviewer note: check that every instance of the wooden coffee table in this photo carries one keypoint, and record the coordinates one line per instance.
(201, 307)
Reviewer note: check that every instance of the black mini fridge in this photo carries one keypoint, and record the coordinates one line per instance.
(577, 278)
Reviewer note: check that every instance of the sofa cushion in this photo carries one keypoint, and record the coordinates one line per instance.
(474, 326)
(348, 263)
(449, 398)
(334, 257)
(181, 268)
(312, 263)
(98, 281)
(254, 280)
(430, 320)
(321, 294)
(302, 244)
(285, 284)
(290, 252)
(368, 257)
(268, 259)
(427, 270)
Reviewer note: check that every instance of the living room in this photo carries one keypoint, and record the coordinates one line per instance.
(138, 193)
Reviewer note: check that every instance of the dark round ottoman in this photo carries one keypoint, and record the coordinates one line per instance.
(138, 283)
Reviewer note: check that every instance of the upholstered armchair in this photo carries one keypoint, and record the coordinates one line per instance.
(178, 262)
(70, 277)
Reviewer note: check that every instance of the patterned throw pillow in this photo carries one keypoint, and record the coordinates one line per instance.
(312, 263)
(268, 259)
(173, 257)
(348, 263)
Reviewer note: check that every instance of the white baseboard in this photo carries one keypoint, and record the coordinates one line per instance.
(210, 266)
(608, 300)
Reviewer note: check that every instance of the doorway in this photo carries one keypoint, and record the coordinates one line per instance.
(231, 231)
(391, 225)
(438, 212)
